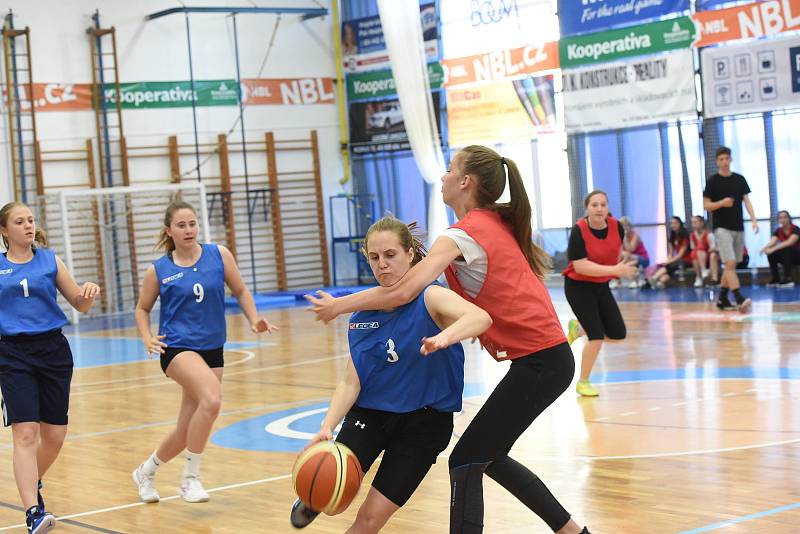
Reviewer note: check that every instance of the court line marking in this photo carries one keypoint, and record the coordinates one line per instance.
(658, 454)
(170, 498)
(742, 519)
(248, 356)
(166, 422)
(162, 383)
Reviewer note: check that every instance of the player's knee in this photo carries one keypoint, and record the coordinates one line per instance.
(368, 521)
(26, 437)
(211, 403)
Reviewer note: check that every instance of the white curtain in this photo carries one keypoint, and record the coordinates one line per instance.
(403, 34)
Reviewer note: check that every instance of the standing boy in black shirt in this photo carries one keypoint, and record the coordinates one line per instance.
(723, 196)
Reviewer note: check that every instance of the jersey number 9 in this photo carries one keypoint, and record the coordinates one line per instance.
(199, 293)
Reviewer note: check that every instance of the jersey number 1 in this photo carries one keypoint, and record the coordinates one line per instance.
(24, 285)
(199, 293)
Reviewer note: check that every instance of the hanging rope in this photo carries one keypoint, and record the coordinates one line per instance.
(244, 104)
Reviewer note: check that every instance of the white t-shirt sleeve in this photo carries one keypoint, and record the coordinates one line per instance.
(470, 249)
(471, 271)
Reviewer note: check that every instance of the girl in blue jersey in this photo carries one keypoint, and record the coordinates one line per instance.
(190, 280)
(35, 358)
(394, 399)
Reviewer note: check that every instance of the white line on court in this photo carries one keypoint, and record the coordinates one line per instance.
(162, 382)
(170, 498)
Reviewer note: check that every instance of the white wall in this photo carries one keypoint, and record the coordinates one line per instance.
(157, 51)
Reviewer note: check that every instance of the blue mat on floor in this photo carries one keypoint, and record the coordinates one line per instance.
(294, 297)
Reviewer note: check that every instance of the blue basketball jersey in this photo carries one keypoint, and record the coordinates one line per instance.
(28, 295)
(394, 376)
(192, 301)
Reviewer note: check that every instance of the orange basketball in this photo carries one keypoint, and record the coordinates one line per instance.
(326, 477)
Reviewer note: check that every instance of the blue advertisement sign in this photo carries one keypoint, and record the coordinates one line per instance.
(586, 16)
(366, 34)
(794, 58)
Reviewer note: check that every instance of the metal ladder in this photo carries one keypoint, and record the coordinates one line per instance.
(25, 159)
(113, 159)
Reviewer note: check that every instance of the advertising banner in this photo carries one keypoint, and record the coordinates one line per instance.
(501, 111)
(501, 64)
(751, 78)
(629, 93)
(474, 27)
(379, 126)
(366, 34)
(381, 83)
(149, 95)
(581, 16)
(633, 41)
(758, 19)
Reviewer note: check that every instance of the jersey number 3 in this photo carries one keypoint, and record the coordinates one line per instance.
(393, 357)
(198, 292)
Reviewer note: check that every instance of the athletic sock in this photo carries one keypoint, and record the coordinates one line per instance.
(193, 460)
(151, 464)
(739, 296)
(723, 294)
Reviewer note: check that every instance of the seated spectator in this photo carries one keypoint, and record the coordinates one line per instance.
(678, 254)
(633, 250)
(703, 256)
(783, 248)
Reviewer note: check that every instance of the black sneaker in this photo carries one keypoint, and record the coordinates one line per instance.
(301, 516)
(724, 305)
(786, 283)
(39, 521)
(773, 283)
(39, 496)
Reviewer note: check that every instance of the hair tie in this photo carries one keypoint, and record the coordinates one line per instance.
(502, 161)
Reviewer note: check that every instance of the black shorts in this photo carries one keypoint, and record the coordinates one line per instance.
(35, 376)
(595, 308)
(213, 357)
(411, 442)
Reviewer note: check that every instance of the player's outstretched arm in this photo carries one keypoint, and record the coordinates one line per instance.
(233, 279)
(458, 319)
(443, 252)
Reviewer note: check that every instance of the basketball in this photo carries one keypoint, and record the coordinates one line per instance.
(326, 477)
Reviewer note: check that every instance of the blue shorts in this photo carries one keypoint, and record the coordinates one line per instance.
(35, 376)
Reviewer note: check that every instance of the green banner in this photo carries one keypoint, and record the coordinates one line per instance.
(626, 42)
(149, 95)
(380, 83)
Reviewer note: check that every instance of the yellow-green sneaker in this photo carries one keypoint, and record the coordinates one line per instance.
(574, 331)
(585, 389)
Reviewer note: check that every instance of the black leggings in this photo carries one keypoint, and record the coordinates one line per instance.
(532, 384)
(787, 256)
(595, 308)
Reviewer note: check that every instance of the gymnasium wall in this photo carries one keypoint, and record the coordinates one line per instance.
(157, 51)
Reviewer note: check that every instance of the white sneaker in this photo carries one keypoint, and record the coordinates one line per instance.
(634, 284)
(614, 283)
(698, 282)
(192, 490)
(144, 483)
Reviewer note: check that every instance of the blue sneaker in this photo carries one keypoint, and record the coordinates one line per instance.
(39, 497)
(39, 522)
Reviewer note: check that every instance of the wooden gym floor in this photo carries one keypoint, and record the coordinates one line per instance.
(695, 429)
